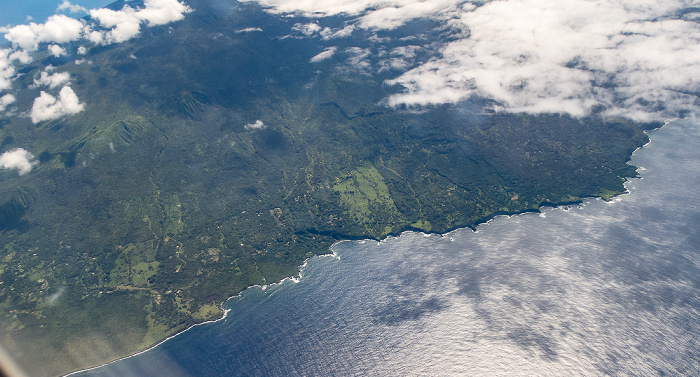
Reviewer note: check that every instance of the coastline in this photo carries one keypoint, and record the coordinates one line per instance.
(406, 229)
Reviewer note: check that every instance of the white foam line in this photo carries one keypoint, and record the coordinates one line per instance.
(226, 311)
(264, 287)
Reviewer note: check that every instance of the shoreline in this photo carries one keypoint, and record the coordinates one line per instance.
(333, 254)
(223, 317)
(408, 229)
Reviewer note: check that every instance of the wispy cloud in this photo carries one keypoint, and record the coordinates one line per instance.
(328, 33)
(48, 107)
(248, 30)
(326, 54)
(19, 159)
(359, 58)
(307, 29)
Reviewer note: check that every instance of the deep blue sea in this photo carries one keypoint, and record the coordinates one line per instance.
(587, 290)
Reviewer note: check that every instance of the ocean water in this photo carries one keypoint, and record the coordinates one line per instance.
(587, 290)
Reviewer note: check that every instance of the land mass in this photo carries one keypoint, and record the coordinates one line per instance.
(166, 196)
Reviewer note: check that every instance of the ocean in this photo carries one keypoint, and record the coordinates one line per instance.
(600, 288)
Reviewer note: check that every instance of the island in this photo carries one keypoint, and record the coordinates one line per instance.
(212, 156)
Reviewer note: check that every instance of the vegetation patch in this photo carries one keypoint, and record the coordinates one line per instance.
(367, 200)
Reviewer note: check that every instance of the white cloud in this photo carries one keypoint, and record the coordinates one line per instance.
(359, 58)
(328, 33)
(258, 125)
(376, 14)
(125, 24)
(307, 29)
(397, 64)
(7, 68)
(48, 107)
(633, 57)
(72, 8)
(51, 80)
(390, 17)
(326, 54)
(537, 56)
(19, 159)
(21, 56)
(94, 36)
(248, 30)
(57, 29)
(161, 12)
(6, 100)
(402, 57)
(408, 52)
(56, 50)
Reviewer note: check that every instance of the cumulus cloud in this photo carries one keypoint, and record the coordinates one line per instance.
(57, 29)
(51, 80)
(7, 68)
(326, 54)
(48, 107)
(21, 56)
(636, 58)
(122, 25)
(6, 100)
(126, 23)
(19, 159)
(56, 50)
(72, 8)
(258, 125)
